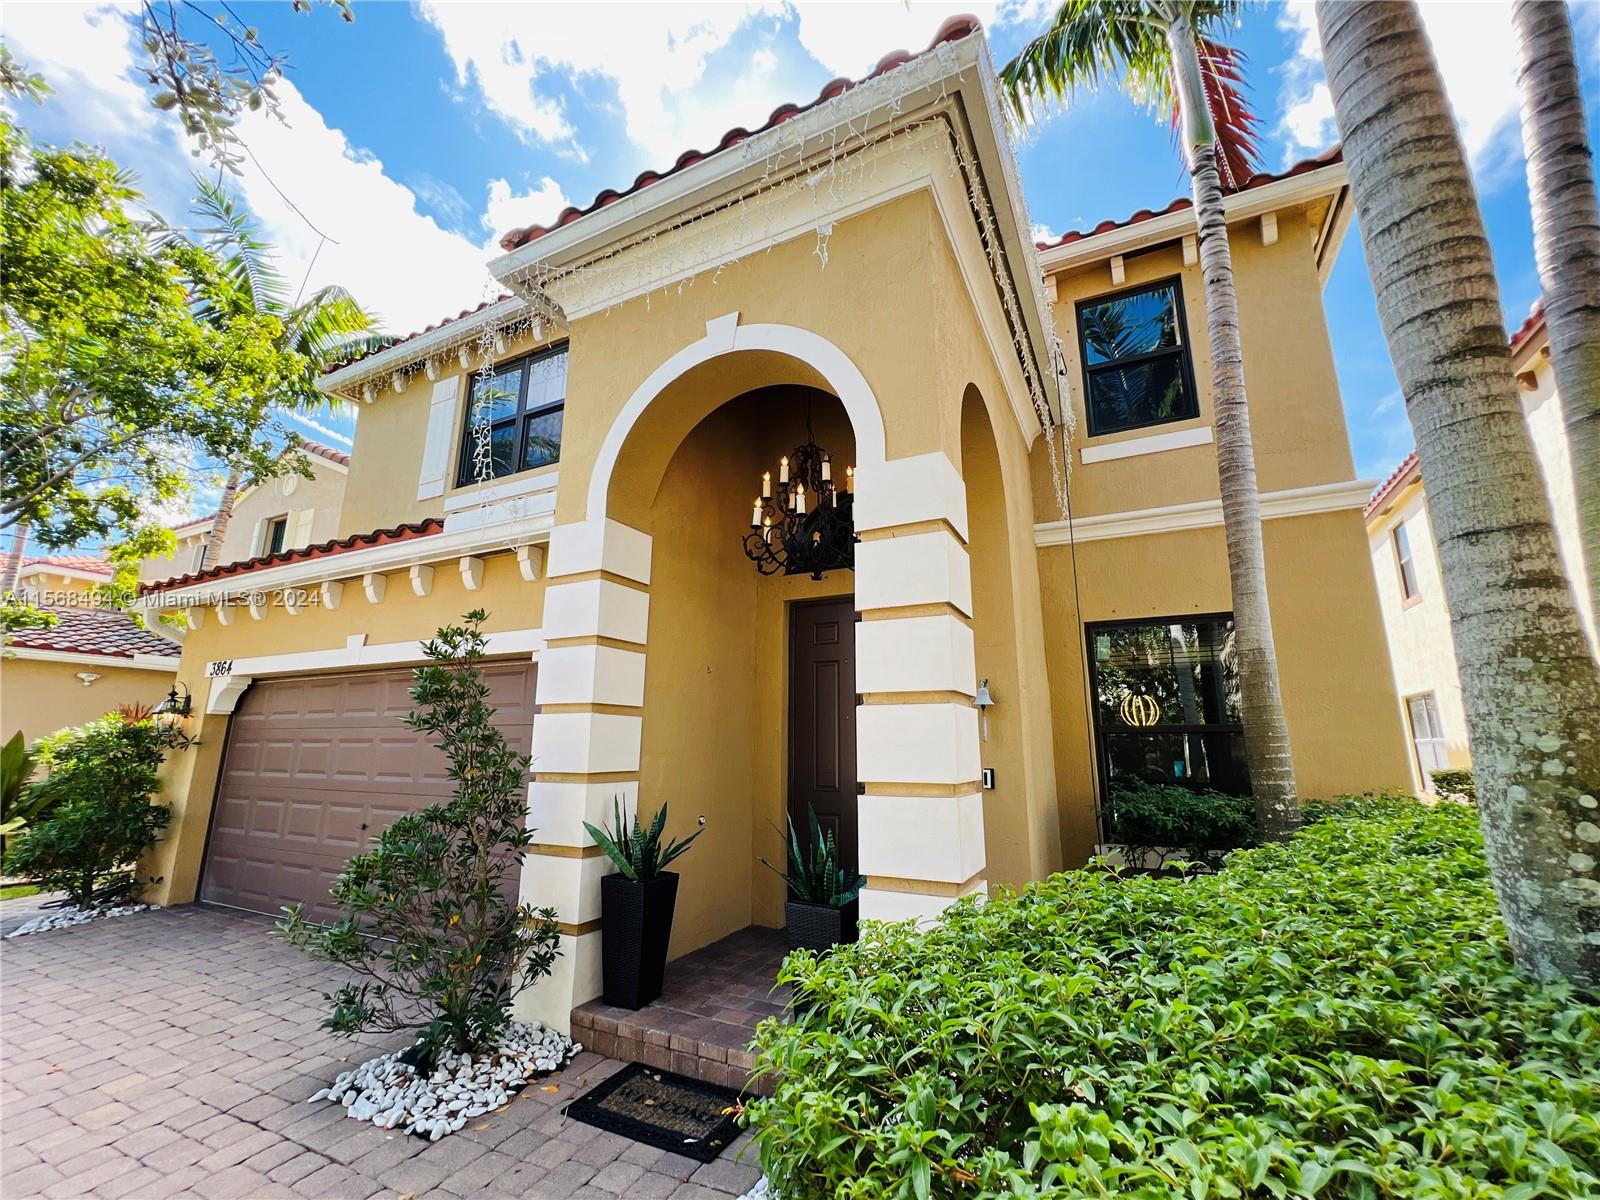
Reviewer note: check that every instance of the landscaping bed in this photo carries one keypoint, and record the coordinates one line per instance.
(1335, 1017)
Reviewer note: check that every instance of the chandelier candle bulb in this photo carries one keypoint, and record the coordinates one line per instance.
(766, 485)
(783, 469)
(755, 515)
(849, 479)
(800, 499)
(827, 470)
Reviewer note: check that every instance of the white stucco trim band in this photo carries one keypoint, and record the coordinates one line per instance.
(1152, 444)
(1204, 514)
(138, 662)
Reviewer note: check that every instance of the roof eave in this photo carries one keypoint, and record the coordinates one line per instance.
(1331, 181)
(346, 381)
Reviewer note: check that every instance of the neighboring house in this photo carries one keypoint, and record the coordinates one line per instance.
(1405, 561)
(858, 270)
(276, 514)
(94, 659)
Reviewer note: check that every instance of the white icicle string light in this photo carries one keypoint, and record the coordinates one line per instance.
(652, 261)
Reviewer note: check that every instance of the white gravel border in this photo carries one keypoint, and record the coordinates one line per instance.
(761, 1191)
(390, 1093)
(65, 918)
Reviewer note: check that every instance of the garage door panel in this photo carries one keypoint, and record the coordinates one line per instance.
(309, 762)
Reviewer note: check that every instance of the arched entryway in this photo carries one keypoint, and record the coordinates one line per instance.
(667, 672)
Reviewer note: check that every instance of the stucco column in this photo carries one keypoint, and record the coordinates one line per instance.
(586, 740)
(917, 752)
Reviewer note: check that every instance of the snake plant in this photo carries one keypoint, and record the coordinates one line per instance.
(638, 852)
(817, 877)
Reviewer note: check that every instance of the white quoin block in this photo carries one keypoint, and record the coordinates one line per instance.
(571, 886)
(922, 837)
(586, 743)
(591, 675)
(593, 607)
(574, 979)
(904, 491)
(600, 545)
(915, 654)
(557, 810)
(921, 568)
(916, 743)
(880, 905)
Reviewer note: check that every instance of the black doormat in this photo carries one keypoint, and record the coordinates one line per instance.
(661, 1109)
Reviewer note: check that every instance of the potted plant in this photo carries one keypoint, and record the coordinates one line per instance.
(822, 913)
(636, 906)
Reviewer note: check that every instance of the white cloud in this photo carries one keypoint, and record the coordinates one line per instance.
(513, 210)
(1475, 47)
(86, 53)
(657, 57)
(1043, 233)
(325, 432)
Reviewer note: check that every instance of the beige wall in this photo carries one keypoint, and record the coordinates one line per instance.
(1548, 432)
(40, 697)
(184, 558)
(287, 496)
(1418, 630)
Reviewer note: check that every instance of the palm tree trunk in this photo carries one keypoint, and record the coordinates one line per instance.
(1566, 241)
(13, 565)
(219, 524)
(1531, 688)
(1266, 731)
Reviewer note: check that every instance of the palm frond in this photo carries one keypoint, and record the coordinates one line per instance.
(233, 237)
(1088, 43)
(1236, 123)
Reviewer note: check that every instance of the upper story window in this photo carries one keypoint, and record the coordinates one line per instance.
(273, 534)
(1408, 566)
(524, 402)
(1136, 359)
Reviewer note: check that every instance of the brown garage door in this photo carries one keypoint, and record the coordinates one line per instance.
(315, 768)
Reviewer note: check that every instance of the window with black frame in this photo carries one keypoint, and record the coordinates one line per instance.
(1167, 703)
(525, 400)
(1136, 359)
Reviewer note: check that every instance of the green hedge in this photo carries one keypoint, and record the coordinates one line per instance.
(1160, 821)
(1337, 1017)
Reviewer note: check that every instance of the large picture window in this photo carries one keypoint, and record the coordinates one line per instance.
(1136, 368)
(524, 400)
(1167, 703)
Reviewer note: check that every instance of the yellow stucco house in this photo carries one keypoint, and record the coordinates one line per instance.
(599, 459)
(1405, 563)
(91, 662)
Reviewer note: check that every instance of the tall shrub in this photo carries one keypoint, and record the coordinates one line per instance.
(427, 926)
(100, 779)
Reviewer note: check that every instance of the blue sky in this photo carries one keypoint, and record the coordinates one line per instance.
(420, 132)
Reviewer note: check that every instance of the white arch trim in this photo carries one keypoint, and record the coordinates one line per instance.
(725, 335)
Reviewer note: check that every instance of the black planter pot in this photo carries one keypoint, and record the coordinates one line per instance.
(636, 921)
(819, 927)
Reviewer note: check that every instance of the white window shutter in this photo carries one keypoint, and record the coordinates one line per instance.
(298, 533)
(258, 538)
(436, 451)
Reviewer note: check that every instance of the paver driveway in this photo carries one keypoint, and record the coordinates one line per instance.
(170, 1054)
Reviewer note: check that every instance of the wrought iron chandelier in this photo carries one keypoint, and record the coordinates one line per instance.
(804, 524)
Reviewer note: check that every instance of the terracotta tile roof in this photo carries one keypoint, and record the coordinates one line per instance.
(390, 345)
(327, 452)
(1260, 179)
(67, 562)
(1531, 325)
(356, 541)
(93, 631)
(953, 30)
(1396, 481)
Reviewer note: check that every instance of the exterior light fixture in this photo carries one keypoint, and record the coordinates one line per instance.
(87, 677)
(804, 523)
(172, 716)
(984, 703)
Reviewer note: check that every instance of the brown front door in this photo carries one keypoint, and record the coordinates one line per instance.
(318, 766)
(822, 720)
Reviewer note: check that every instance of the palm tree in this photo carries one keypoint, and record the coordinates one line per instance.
(324, 329)
(1169, 53)
(1566, 242)
(1531, 687)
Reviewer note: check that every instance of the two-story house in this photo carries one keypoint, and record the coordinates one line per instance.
(1405, 563)
(608, 460)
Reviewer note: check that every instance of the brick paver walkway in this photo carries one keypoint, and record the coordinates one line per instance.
(169, 1055)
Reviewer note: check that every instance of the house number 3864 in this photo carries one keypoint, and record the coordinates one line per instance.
(223, 666)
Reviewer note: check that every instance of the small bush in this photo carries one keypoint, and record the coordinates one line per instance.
(1338, 1016)
(99, 819)
(1454, 782)
(1162, 821)
(428, 923)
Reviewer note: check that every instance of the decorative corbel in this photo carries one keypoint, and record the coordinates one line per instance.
(471, 572)
(1118, 275)
(398, 381)
(332, 593)
(432, 369)
(422, 579)
(225, 613)
(1269, 228)
(258, 606)
(1191, 249)
(374, 584)
(530, 561)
